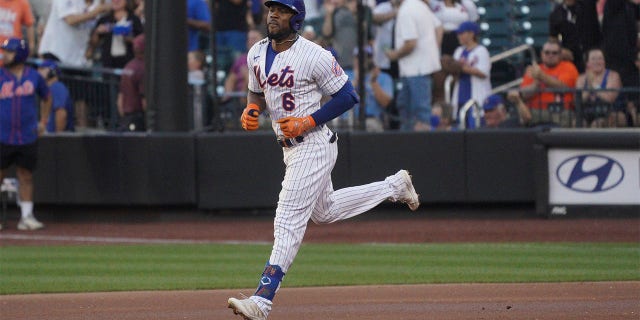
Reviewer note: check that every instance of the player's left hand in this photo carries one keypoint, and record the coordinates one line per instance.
(292, 127)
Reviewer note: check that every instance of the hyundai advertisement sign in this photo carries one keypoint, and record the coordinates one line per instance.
(594, 177)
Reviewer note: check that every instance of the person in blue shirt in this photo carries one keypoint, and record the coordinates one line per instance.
(19, 124)
(198, 20)
(61, 117)
(378, 92)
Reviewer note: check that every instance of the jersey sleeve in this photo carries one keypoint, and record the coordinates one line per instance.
(484, 61)
(406, 30)
(253, 83)
(328, 74)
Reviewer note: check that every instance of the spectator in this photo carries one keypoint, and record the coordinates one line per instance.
(309, 33)
(19, 125)
(66, 34)
(495, 114)
(633, 105)
(15, 14)
(237, 78)
(452, 13)
(441, 116)
(575, 25)
(540, 80)
(232, 26)
(198, 22)
(384, 19)
(61, 117)
(114, 33)
(131, 100)
(620, 41)
(473, 81)
(257, 13)
(340, 27)
(418, 35)
(138, 9)
(378, 90)
(597, 76)
(41, 10)
(195, 65)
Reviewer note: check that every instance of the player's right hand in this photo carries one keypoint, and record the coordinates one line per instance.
(249, 118)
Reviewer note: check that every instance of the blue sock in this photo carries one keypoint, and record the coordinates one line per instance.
(270, 282)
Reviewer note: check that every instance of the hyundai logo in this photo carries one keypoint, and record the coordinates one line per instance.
(590, 173)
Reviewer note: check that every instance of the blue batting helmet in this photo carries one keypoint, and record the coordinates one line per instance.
(297, 6)
(18, 46)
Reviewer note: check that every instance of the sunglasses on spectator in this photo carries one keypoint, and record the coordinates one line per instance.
(550, 52)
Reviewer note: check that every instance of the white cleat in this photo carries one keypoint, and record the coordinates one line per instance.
(30, 223)
(247, 308)
(409, 195)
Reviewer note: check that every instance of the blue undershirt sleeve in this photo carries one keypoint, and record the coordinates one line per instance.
(340, 102)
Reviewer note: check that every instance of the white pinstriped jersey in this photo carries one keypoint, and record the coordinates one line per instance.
(297, 80)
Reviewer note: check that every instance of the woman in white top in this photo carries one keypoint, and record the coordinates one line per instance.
(452, 13)
(474, 80)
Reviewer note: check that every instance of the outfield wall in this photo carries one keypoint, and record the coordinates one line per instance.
(244, 170)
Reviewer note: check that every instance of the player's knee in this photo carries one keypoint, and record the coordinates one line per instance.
(321, 220)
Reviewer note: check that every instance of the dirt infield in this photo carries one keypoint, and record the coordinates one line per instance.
(599, 300)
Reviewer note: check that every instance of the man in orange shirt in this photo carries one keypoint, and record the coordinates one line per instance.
(552, 73)
(13, 15)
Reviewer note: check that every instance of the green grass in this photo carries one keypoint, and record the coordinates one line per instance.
(170, 267)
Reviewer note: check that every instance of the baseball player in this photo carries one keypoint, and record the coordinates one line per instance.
(19, 126)
(288, 75)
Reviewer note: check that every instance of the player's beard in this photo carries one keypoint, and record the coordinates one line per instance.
(280, 35)
(12, 63)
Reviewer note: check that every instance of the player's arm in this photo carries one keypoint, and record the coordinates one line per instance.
(340, 102)
(45, 110)
(406, 48)
(75, 19)
(60, 118)
(31, 38)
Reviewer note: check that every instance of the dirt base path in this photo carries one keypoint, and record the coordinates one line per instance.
(584, 301)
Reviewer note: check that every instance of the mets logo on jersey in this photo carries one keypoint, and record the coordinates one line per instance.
(7, 90)
(336, 68)
(284, 79)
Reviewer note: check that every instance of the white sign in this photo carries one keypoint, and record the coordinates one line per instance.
(587, 176)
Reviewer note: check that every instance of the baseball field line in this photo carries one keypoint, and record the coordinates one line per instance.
(116, 240)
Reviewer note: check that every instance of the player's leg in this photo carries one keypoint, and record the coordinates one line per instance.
(26, 162)
(307, 166)
(348, 202)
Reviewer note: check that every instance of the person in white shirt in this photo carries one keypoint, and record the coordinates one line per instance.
(474, 80)
(418, 35)
(452, 13)
(66, 34)
(384, 16)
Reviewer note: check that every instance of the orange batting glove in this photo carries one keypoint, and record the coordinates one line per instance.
(292, 127)
(249, 118)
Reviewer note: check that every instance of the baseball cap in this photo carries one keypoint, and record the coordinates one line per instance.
(492, 102)
(50, 64)
(468, 26)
